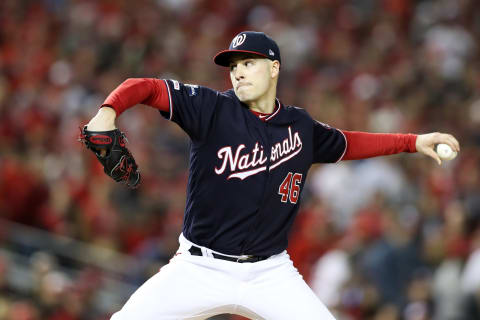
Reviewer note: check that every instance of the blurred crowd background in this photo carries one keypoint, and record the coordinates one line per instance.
(388, 238)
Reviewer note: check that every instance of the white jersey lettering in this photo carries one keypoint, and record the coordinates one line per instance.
(247, 164)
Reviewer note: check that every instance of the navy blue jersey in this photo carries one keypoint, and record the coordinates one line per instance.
(246, 175)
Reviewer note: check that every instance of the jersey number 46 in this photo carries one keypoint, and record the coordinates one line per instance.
(290, 187)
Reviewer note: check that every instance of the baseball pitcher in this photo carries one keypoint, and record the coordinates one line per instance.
(249, 158)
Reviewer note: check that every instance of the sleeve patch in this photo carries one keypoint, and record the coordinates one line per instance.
(176, 85)
(192, 89)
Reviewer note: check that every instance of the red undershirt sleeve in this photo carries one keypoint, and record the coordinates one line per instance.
(149, 91)
(362, 145)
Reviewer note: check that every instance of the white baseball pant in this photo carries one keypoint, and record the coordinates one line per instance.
(199, 287)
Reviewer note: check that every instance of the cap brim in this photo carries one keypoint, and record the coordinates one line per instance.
(224, 57)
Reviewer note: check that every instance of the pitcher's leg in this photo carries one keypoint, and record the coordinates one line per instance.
(181, 290)
(282, 294)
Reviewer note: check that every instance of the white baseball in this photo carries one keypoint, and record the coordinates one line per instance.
(445, 152)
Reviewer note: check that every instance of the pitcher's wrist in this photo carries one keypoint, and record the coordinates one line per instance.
(104, 120)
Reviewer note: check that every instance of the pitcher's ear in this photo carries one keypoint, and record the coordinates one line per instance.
(275, 69)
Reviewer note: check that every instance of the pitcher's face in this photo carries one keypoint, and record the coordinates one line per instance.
(251, 77)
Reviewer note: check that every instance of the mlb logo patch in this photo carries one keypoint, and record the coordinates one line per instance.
(176, 85)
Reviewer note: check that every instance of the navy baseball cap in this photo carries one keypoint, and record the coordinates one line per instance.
(253, 42)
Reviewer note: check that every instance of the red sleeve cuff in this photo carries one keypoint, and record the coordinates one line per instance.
(412, 142)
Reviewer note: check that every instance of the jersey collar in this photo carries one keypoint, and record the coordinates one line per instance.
(272, 116)
(278, 105)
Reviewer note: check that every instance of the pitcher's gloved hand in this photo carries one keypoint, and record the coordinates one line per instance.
(109, 148)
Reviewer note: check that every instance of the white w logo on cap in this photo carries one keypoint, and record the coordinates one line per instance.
(238, 40)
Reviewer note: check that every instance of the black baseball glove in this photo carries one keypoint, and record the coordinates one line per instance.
(117, 161)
